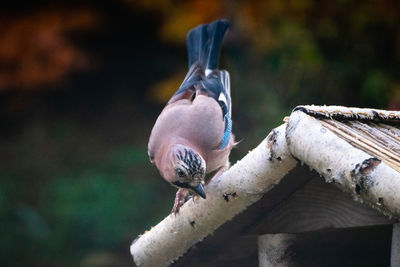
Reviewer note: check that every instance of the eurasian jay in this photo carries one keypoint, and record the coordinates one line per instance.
(192, 135)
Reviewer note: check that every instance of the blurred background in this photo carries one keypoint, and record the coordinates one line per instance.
(82, 82)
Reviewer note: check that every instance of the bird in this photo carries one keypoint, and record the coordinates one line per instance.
(193, 136)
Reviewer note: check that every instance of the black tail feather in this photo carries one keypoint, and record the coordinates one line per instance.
(204, 43)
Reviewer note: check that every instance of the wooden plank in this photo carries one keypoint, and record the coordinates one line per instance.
(363, 246)
(233, 251)
(317, 206)
(366, 246)
(274, 250)
(364, 142)
(395, 251)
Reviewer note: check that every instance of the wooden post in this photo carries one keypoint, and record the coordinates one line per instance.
(395, 253)
(274, 250)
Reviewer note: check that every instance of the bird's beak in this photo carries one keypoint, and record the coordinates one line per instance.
(200, 190)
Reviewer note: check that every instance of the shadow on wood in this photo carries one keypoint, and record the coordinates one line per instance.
(301, 203)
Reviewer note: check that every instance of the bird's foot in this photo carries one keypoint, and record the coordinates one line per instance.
(182, 195)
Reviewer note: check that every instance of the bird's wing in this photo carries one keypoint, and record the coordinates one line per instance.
(187, 89)
(217, 86)
(204, 45)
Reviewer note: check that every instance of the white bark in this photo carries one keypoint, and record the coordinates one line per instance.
(242, 185)
(366, 178)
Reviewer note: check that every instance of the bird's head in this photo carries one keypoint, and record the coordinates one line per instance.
(188, 169)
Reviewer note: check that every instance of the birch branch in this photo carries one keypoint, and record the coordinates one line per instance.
(242, 185)
(365, 177)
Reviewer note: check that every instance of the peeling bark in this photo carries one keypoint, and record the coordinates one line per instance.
(242, 185)
(366, 177)
(340, 112)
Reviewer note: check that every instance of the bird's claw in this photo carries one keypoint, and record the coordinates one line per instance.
(181, 197)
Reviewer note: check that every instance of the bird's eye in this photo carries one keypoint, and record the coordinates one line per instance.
(180, 173)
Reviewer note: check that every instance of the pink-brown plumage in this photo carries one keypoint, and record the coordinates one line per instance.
(197, 125)
(192, 135)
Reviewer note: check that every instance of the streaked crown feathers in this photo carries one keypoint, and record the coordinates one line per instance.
(191, 161)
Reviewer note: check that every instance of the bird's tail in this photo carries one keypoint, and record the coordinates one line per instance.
(204, 43)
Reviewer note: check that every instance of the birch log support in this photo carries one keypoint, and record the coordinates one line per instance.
(354, 171)
(395, 253)
(274, 250)
(242, 185)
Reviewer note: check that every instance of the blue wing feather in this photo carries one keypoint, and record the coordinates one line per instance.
(227, 133)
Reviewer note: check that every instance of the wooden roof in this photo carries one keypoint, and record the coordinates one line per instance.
(355, 150)
(376, 132)
(301, 203)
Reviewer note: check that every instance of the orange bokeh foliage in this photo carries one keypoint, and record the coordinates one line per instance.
(35, 50)
(181, 16)
(291, 29)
